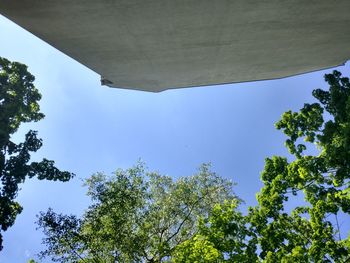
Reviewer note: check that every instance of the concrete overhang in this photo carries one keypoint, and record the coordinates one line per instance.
(154, 45)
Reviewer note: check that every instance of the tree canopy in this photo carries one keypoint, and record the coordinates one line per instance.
(273, 231)
(146, 217)
(19, 104)
(136, 216)
(310, 232)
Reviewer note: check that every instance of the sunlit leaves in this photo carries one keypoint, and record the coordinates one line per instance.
(308, 234)
(224, 236)
(147, 217)
(278, 230)
(139, 216)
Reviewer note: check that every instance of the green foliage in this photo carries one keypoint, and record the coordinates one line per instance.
(273, 231)
(18, 104)
(223, 236)
(309, 232)
(136, 216)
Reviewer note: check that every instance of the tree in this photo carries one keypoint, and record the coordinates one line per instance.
(309, 232)
(19, 104)
(136, 216)
(158, 220)
(222, 237)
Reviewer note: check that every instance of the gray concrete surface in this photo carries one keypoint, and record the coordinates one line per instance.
(155, 45)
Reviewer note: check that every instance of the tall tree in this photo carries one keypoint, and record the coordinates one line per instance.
(19, 104)
(158, 220)
(136, 216)
(274, 230)
(310, 232)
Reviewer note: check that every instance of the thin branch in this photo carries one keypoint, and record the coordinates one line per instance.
(75, 252)
(302, 188)
(185, 219)
(336, 220)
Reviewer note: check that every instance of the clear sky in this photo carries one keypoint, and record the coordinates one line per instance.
(90, 128)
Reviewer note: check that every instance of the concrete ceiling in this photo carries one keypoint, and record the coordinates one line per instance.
(155, 45)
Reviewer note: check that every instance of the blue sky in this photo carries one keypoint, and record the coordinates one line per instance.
(90, 128)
